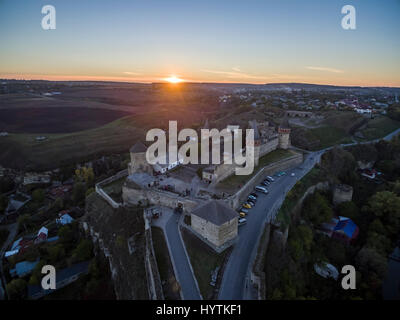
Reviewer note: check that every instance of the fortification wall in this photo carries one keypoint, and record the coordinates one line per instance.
(152, 196)
(103, 194)
(235, 200)
(268, 147)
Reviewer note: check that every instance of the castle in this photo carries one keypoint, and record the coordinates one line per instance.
(214, 220)
(266, 139)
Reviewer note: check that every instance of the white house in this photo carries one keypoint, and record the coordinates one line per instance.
(163, 168)
(64, 219)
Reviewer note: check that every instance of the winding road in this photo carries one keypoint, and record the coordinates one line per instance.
(235, 284)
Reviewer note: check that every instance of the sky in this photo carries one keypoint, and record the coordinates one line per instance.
(252, 41)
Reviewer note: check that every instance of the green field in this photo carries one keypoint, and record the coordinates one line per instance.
(23, 151)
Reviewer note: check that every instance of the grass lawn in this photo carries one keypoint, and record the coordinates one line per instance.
(164, 264)
(114, 189)
(379, 127)
(204, 261)
(233, 182)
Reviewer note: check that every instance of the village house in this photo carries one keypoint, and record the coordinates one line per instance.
(341, 228)
(36, 178)
(64, 218)
(23, 268)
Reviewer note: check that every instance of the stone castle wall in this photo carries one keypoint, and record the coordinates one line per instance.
(268, 147)
(235, 200)
(145, 196)
(217, 235)
(342, 193)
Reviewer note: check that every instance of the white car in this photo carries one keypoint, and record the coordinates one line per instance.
(261, 189)
(292, 174)
(242, 221)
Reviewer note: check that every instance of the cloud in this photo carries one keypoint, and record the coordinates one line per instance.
(236, 74)
(333, 70)
(132, 73)
(237, 69)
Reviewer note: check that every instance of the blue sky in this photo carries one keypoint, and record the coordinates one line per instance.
(220, 41)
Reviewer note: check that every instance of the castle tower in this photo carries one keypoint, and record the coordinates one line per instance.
(257, 141)
(284, 134)
(138, 159)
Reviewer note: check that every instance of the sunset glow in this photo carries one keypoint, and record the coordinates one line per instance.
(173, 79)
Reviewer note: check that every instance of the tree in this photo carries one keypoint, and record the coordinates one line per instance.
(83, 251)
(3, 203)
(306, 236)
(341, 162)
(16, 289)
(56, 253)
(396, 187)
(66, 235)
(386, 206)
(25, 221)
(295, 249)
(6, 184)
(89, 191)
(379, 242)
(85, 175)
(372, 266)
(316, 209)
(38, 195)
(79, 193)
(58, 205)
(350, 210)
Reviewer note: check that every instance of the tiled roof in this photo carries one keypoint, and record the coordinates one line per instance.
(216, 212)
(138, 147)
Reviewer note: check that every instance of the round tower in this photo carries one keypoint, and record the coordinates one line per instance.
(284, 134)
(138, 159)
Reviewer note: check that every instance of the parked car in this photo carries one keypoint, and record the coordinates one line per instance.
(261, 189)
(242, 214)
(251, 202)
(247, 205)
(270, 179)
(244, 210)
(252, 197)
(292, 174)
(254, 194)
(242, 221)
(265, 183)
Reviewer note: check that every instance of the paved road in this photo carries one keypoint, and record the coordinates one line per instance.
(235, 283)
(236, 272)
(169, 222)
(184, 273)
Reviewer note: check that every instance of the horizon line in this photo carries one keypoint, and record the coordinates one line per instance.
(202, 82)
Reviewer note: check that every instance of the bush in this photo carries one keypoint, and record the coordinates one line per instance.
(16, 289)
(83, 251)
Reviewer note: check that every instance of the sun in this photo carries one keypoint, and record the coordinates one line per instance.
(173, 79)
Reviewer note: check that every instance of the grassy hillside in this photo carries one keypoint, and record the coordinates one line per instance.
(379, 127)
(24, 152)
